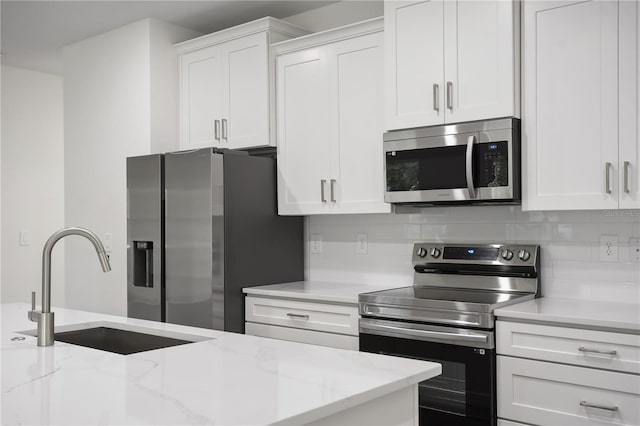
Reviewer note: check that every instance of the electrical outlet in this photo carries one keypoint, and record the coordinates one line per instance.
(634, 250)
(362, 246)
(316, 243)
(609, 248)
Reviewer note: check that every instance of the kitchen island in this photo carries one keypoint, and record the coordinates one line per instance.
(222, 379)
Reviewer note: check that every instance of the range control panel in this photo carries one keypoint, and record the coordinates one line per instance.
(481, 254)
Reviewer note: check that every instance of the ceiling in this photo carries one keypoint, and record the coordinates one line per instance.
(34, 32)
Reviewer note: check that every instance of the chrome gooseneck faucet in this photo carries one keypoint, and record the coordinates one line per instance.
(44, 318)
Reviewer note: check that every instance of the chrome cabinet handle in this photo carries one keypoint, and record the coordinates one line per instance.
(598, 406)
(626, 177)
(333, 197)
(470, 186)
(216, 130)
(436, 97)
(224, 129)
(322, 198)
(597, 351)
(301, 316)
(607, 177)
(450, 95)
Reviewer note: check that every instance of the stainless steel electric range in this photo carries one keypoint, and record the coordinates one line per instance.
(447, 317)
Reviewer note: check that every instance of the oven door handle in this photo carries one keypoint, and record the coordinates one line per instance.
(470, 186)
(468, 336)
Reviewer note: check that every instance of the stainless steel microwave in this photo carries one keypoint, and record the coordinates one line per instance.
(474, 162)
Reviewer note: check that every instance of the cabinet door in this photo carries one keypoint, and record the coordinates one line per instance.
(629, 159)
(246, 92)
(356, 83)
(201, 97)
(479, 53)
(303, 132)
(414, 63)
(546, 393)
(571, 105)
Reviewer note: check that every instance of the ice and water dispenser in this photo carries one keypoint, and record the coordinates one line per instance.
(143, 263)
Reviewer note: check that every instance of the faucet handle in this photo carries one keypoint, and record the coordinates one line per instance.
(33, 314)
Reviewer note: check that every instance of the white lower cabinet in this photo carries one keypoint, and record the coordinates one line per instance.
(318, 323)
(553, 375)
(545, 393)
(332, 340)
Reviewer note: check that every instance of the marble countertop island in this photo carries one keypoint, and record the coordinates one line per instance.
(223, 379)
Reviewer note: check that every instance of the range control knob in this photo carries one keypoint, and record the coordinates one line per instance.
(435, 252)
(421, 252)
(507, 254)
(524, 255)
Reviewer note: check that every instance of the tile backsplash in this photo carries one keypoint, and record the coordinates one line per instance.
(569, 240)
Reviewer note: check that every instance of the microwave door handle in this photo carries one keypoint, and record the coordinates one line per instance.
(470, 186)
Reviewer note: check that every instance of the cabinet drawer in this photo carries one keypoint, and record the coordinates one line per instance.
(305, 315)
(339, 341)
(588, 348)
(545, 393)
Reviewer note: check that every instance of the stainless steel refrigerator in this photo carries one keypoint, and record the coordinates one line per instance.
(201, 225)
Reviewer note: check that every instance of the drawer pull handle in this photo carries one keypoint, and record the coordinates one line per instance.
(597, 351)
(300, 316)
(598, 406)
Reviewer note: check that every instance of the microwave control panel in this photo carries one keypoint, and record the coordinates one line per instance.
(491, 165)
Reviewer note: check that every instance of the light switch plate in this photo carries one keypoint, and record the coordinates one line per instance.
(634, 250)
(108, 239)
(25, 237)
(362, 247)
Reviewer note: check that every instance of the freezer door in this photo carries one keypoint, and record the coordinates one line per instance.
(144, 237)
(194, 238)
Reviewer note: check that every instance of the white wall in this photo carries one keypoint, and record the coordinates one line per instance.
(164, 74)
(571, 265)
(337, 14)
(32, 166)
(115, 107)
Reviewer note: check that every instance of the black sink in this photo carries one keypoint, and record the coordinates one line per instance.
(122, 342)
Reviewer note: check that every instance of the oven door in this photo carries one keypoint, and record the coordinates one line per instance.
(463, 167)
(464, 394)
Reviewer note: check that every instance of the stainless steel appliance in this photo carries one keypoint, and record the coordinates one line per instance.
(475, 162)
(447, 317)
(201, 225)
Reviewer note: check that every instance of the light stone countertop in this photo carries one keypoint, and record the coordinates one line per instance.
(231, 379)
(318, 291)
(587, 313)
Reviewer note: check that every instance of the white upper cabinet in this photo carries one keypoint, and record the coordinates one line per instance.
(481, 60)
(414, 65)
(580, 105)
(201, 93)
(226, 87)
(329, 113)
(451, 61)
(629, 136)
(245, 101)
(304, 151)
(356, 76)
